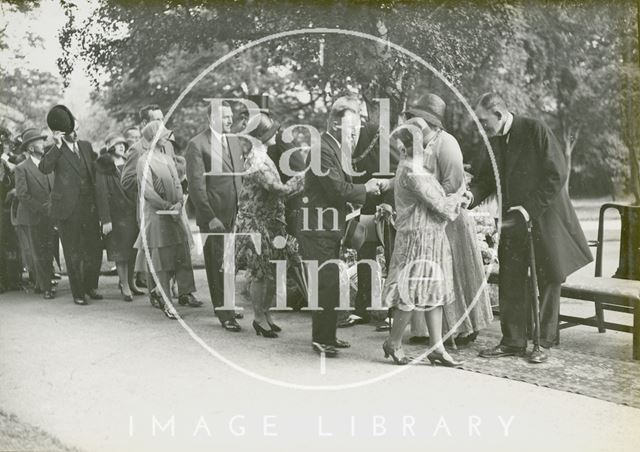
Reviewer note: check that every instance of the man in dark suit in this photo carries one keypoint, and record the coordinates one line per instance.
(73, 205)
(215, 199)
(327, 196)
(32, 190)
(533, 172)
(366, 159)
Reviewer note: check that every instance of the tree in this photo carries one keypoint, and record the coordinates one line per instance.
(27, 91)
(148, 51)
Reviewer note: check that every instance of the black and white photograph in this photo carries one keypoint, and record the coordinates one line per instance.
(255, 225)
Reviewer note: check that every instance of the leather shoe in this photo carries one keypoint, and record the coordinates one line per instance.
(49, 295)
(500, 351)
(538, 356)
(341, 344)
(231, 325)
(80, 301)
(328, 350)
(189, 299)
(94, 295)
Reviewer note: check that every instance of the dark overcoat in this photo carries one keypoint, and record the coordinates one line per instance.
(533, 172)
(117, 207)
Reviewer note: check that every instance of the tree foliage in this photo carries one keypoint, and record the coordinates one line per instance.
(562, 61)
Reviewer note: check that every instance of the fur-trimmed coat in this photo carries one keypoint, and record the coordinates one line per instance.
(117, 207)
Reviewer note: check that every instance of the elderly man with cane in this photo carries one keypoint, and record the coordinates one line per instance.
(532, 173)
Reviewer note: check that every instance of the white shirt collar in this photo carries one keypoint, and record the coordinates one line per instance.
(71, 144)
(219, 136)
(507, 124)
(35, 159)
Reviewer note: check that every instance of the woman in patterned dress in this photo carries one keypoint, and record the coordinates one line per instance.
(421, 268)
(262, 211)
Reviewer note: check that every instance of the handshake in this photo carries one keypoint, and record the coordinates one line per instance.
(377, 186)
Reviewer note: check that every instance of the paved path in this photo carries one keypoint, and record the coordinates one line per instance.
(96, 377)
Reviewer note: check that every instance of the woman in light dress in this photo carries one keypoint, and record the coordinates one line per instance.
(421, 270)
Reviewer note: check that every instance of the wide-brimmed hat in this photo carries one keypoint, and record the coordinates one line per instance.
(29, 136)
(61, 119)
(113, 139)
(265, 127)
(429, 107)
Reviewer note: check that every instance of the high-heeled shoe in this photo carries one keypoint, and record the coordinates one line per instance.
(155, 299)
(388, 350)
(439, 359)
(124, 297)
(274, 327)
(168, 311)
(261, 331)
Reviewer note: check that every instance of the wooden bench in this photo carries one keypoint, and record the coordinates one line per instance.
(609, 294)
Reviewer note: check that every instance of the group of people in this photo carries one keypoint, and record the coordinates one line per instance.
(130, 199)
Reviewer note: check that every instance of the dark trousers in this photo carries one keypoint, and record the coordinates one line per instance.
(213, 250)
(516, 295)
(363, 297)
(82, 248)
(322, 249)
(40, 244)
(10, 262)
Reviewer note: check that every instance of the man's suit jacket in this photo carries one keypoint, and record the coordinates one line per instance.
(214, 196)
(33, 189)
(366, 157)
(533, 172)
(67, 167)
(331, 191)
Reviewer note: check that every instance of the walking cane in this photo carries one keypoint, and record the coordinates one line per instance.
(534, 282)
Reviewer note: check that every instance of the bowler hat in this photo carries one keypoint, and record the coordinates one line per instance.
(429, 107)
(61, 119)
(29, 136)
